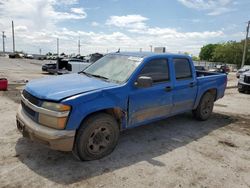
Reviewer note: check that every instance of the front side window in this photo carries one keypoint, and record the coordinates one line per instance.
(157, 69)
(182, 69)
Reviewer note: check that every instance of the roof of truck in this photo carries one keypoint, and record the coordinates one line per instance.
(148, 54)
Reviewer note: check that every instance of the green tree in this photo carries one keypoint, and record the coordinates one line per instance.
(229, 53)
(195, 58)
(207, 51)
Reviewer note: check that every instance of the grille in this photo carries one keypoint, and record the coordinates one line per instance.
(30, 98)
(247, 79)
(31, 113)
(34, 100)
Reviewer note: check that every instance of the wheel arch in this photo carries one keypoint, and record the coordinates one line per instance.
(214, 91)
(116, 112)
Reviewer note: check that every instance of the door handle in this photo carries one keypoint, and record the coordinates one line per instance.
(168, 89)
(191, 84)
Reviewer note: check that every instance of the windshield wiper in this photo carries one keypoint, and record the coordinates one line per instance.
(99, 76)
(94, 75)
(87, 74)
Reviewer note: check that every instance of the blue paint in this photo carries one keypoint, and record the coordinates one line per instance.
(87, 95)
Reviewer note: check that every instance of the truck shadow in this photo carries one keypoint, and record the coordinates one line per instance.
(139, 144)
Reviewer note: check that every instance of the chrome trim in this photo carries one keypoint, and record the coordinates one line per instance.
(43, 110)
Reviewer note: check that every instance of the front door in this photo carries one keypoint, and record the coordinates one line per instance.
(154, 102)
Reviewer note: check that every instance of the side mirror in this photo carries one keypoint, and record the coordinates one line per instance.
(144, 82)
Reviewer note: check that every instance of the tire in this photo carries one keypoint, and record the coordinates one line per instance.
(97, 137)
(241, 91)
(205, 107)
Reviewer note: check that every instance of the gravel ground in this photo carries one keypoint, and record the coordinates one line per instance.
(176, 152)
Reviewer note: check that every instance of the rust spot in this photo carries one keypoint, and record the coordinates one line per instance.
(151, 113)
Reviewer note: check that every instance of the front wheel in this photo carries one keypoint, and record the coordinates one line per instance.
(205, 107)
(97, 137)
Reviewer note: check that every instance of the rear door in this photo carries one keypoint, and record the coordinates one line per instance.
(185, 85)
(146, 104)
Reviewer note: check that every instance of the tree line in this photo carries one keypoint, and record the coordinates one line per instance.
(230, 52)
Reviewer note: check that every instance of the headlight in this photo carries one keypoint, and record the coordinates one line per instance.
(242, 77)
(55, 106)
(53, 121)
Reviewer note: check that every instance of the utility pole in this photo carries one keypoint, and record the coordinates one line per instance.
(57, 46)
(245, 46)
(4, 36)
(140, 50)
(79, 46)
(151, 48)
(40, 51)
(13, 37)
(57, 49)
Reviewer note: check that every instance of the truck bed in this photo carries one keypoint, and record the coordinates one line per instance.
(211, 80)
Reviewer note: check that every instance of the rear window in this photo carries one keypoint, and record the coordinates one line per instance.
(182, 69)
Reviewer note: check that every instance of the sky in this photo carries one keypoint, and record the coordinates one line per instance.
(106, 25)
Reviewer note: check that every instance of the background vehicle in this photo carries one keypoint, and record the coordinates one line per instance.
(51, 65)
(244, 82)
(85, 112)
(200, 68)
(72, 65)
(242, 70)
(220, 68)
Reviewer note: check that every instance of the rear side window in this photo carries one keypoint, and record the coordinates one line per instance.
(157, 69)
(182, 69)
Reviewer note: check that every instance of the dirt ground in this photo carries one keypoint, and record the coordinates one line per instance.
(176, 152)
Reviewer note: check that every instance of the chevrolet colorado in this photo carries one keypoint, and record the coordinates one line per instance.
(84, 112)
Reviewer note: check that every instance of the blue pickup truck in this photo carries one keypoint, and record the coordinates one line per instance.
(85, 112)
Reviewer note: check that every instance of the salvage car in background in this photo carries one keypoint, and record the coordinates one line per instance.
(222, 68)
(73, 65)
(244, 82)
(242, 70)
(200, 68)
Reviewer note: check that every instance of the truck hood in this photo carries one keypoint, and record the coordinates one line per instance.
(59, 87)
(247, 73)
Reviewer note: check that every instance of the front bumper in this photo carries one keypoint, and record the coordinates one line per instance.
(243, 86)
(62, 140)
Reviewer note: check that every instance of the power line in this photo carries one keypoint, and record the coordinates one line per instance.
(245, 45)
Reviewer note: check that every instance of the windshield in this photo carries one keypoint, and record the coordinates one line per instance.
(117, 68)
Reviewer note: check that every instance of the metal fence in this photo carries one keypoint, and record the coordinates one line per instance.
(210, 65)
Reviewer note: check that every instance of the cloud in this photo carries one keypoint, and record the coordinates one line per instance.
(78, 11)
(220, 11)
(37, 14)
(136, 24)
(128, 21)
(21, 28)
(213, 7)
(95, 24)
(38, 24)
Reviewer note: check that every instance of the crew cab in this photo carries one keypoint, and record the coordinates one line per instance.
(84, 112)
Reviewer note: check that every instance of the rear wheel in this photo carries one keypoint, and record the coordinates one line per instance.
(97, 137)
(205, 107)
